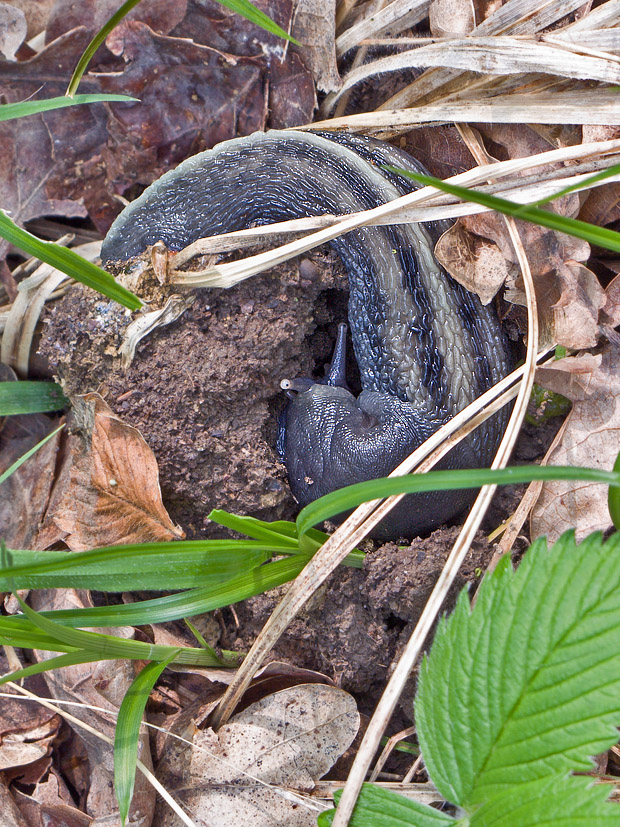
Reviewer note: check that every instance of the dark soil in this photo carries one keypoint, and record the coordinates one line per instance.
(205, 394)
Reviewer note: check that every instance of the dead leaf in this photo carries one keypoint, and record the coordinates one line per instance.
(315, 27)
(12, 30)
(11, 816)
(451, 17)
(602, 206)
(611, 309)
(591, 438)
(25, 495)
(48, 805)
(255, 769)
(160, 15)
(572, 319)
(474, 262)
(108, 488)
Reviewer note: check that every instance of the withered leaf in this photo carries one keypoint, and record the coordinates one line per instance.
(25, 494)
(109, 488)
(592, 383)
(474, 262)
(249, 771)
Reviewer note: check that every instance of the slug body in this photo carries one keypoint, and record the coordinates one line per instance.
(424, 345)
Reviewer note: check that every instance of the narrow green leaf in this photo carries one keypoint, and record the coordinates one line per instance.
(25, 397)
(242, 7)
(8, 111)
(613, 499)
(565, 801)
(158, 566)
(18, 462)
(161, 609)
(377, 807)
(526, 685)
(69, 659)
(67, 261)
(347, 498)
(108, 647)
(127, 732)
(600, 236)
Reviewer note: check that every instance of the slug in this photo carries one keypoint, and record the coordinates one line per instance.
(425, 346)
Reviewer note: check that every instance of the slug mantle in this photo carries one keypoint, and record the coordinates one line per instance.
(425, 346)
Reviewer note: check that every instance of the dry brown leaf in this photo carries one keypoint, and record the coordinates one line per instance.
(591, 438)
(611, 309)
(50, 804)
(571, 319)
(314, 25)
(474, 262)
(24, 496)
(108, 490)
(451, 17)
(11, 816)
(245, 773)
(12, 29)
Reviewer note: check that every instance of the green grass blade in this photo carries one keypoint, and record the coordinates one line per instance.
(377, 807)
(127, 733)
(599, 236)
(350, 497)
(254, 15)
(9, 111)
(18, 462)
(242, 7)
(157, 566)
(108, 647)
(58, 662)
(161, 609)
(67, 261)
(28, 396)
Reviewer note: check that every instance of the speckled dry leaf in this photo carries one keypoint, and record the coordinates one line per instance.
(24, 496)
(111, 492)
(570, 299)
(314, 25)
(476, 263)
(611, 309)
(451, 17)
(11, 816)
(12, 29)
(50, 803)
(255, 770)
(591, 438)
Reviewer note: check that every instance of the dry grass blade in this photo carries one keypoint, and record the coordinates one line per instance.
(491, 55)
(399, 677)
(228, 274)
(398, 15)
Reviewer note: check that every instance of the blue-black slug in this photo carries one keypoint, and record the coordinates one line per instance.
(424, 345)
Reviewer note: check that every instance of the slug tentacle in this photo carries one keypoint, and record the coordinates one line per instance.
(425, 346)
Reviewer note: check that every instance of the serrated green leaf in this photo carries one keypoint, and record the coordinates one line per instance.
(127, 732)
(67, 261)
(9, 111)
(382, 808)
(561, 801)
(528, 683)
(29, 396)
